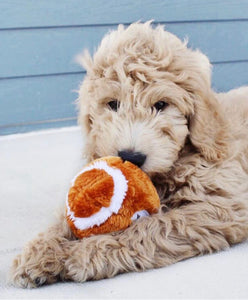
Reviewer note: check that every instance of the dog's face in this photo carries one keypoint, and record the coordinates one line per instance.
(140, 91)
(133, 116)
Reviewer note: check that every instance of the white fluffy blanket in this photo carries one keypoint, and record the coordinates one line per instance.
(35, 172)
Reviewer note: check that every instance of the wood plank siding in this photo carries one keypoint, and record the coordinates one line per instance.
(40, 38)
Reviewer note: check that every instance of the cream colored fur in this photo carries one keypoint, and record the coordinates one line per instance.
(197, 157)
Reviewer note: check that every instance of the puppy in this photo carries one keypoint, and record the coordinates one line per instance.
(147, 98)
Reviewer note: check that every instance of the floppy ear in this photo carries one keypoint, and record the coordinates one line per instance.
(84, 119)
(209, 129)
(85, 60)
(84, 104)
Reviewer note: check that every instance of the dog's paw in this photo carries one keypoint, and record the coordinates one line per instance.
(29, 275)
(25, 275)
(39, 264)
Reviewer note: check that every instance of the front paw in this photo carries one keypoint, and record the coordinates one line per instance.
(24, 275)
(40, 263)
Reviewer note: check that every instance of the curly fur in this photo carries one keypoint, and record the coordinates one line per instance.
(197, 157)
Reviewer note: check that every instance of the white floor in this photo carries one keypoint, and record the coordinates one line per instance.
(35, 172)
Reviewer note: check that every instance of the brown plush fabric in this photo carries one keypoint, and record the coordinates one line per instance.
(93, 190)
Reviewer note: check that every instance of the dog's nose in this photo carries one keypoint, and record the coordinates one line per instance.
(137, 158)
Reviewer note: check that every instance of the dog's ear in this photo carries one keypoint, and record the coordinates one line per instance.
(85, 120)
(83, 105)
(209, 129)
(85, 60)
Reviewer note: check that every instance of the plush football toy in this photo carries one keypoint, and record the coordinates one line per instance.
(107, 195)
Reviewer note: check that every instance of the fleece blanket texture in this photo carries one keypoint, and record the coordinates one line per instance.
(35, 174)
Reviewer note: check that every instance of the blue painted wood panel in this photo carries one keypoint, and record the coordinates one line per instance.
(40, 38)
(39, 98)
(51, 51)
(27, 127)
(40, 13)
(229, 75)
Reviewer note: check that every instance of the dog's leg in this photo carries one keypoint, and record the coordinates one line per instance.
(150, 242)
(159, 240)
(42, 259)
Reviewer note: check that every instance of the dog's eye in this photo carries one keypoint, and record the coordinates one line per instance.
(113, 104)
(160, 105)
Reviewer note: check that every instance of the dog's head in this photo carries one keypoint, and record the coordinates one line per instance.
(145, 92)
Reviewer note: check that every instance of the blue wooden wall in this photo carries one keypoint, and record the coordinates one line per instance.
(40, 38)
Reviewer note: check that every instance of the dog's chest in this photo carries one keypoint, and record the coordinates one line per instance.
(196, 181)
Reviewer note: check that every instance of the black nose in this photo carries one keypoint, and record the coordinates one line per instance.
(137, 158)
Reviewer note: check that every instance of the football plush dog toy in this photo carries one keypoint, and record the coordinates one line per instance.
(107, 195)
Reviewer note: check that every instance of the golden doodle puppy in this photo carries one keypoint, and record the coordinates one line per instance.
(148, 98)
